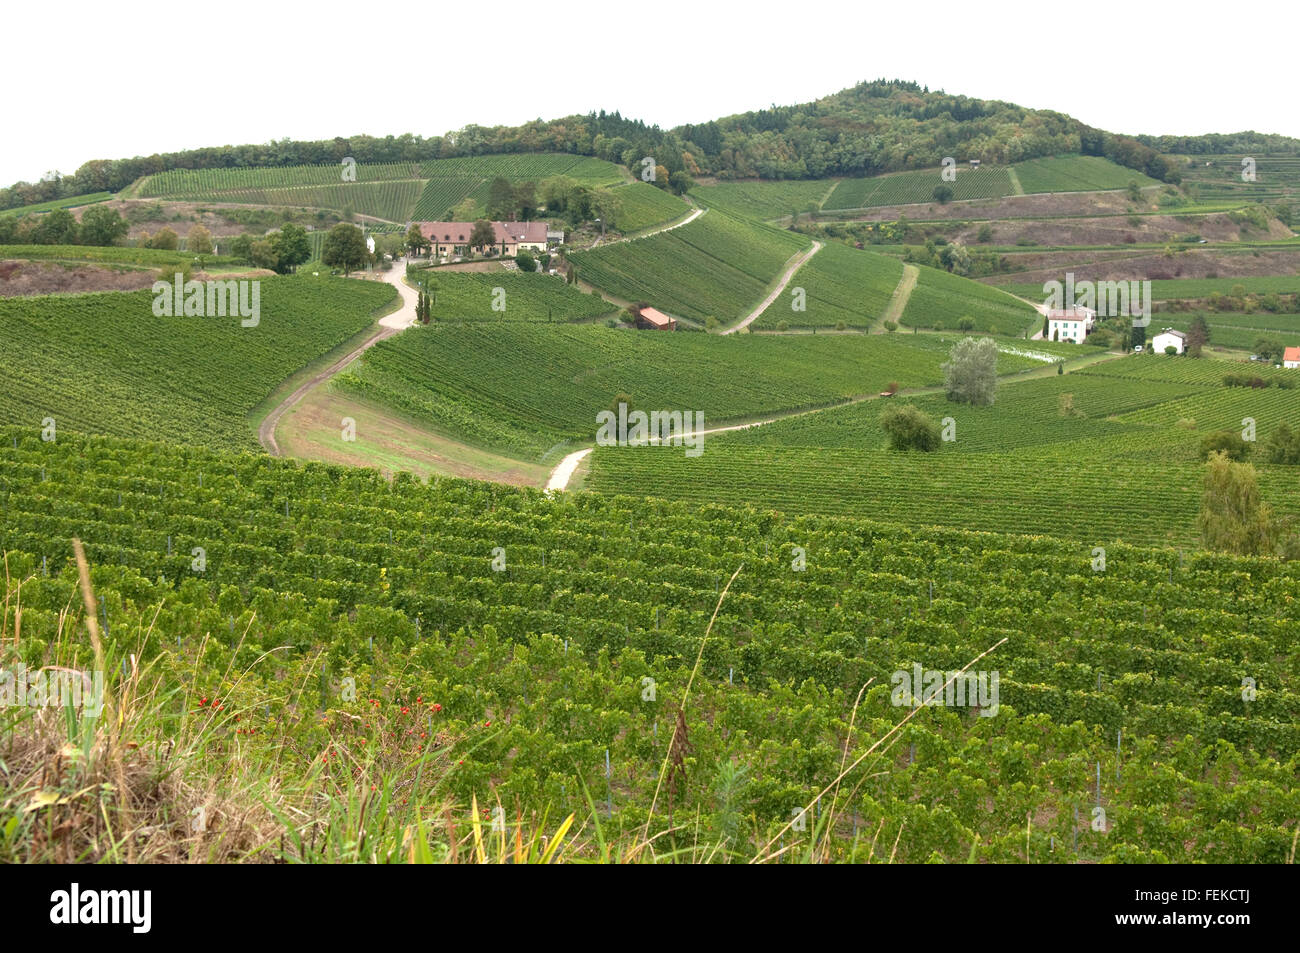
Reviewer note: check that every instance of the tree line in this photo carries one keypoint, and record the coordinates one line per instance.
(874, 127)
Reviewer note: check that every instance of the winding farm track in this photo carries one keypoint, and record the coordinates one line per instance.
(389, 325)
(766, 303)
(561, 475)
(898, 301)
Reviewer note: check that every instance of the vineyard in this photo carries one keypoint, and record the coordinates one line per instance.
(763, 200)
(1176, 288)
(105, 364)
(717, 266)
(441, 194)
(1077, 174)
(907, 188)
(115, 255)
(1021, 465)
(1035, 494)
(642, 206)
(465, 380)
(842, 285)
(1053, 174)
(394, 191)
(73, 201)
(940, 300)
(180, 183)
(509, 648)
(470, 296)
(1219, 178)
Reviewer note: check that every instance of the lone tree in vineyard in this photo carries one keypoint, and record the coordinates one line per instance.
(970, 374)
(344, 247)
(909, 429)
(1233, 516)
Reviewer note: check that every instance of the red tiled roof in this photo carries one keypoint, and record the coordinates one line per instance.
(1291, 354)
(508, 232)
(442, 232)
(657, 318)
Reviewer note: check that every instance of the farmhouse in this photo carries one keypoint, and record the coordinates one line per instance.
(452, 238)
(1169, 338)
(1071, 324)
(1291, 357)
(648, 318)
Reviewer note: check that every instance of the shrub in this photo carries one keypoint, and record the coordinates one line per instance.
(909, 429)
(891, 326)
(1225, 441)
(1284, 446)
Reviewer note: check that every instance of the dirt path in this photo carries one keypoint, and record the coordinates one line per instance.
(898, 301)
(695, 213)
(794, 266)
(388, 325)
(561, 475)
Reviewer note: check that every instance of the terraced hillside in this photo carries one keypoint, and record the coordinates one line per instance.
(508, 296)
(521, 388)
(1053, 174)
(393, 191)
(841, 285)
(105, 364)
(717, 266)
(505, 647)
(1118, 459)
(941, 300)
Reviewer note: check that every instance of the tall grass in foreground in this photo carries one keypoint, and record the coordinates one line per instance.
(136, 783)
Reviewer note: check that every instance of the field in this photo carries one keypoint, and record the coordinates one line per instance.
(763, 200)
(643, 206)
(907, 188)
(104, 364)
(465, 380)
(440, 195)
(1053, 174)
(1077, 174)
(448, 181)
(394, 191)
(72, 201)
(113, 255)
(1219, 178)
(410, 666)
(842, 284)
(469, 296)
(941, 300)
(1178, 288)
(1022, 465)
(717, 266)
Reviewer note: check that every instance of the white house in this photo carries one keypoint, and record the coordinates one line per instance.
(1072, 324)
(1169, 338)
(1291, 357)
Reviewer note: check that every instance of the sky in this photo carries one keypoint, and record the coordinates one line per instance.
(134, 78)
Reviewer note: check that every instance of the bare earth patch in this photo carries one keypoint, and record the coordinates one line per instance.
(20, 278)
(1151, 265)
(313, 429)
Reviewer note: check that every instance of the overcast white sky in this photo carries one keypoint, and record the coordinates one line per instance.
(93, 80)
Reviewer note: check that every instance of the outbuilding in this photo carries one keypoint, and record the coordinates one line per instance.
(1169, 338)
